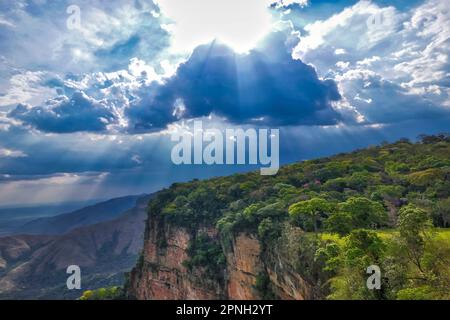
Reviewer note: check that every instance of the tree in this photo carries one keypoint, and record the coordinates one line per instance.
(426, 177)
(309, 213)
(360, 180)
(338, 184)
(361, 249)
(206, 252)
(413, 224)
(425, 258)
(365, 213)
(340, 223)
(418, 293)
(268, 230)
(441, 213)
(110, 293)
(364, 244)
(391, 193)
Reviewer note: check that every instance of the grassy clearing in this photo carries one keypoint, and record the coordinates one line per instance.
(387, 234)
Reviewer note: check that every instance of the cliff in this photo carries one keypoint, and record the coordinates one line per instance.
(309, 232)
(162, 274)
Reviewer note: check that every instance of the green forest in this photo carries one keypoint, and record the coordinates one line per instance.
(386, 205)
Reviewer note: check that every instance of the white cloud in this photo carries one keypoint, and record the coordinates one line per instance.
(406, 53)
(136, 159)
(368, 61)
(27, 87)
(8, 153)
(359, 27)
(6, 23)
(340, 51)
(139, 68)
(286, 3)
(37, 35)
(379, 100)
(342, 65)
(427, 32)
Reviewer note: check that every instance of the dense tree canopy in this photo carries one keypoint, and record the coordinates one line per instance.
(383, 205)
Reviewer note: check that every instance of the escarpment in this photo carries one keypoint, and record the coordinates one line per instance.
(309, 232)
(163, 271)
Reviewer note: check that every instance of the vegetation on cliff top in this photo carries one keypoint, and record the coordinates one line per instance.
(385, 205)
(109, 293)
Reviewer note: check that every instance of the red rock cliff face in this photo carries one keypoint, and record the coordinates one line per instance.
(161, 274)
(243, 265)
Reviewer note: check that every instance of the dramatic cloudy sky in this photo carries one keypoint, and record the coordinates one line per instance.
(86, 110)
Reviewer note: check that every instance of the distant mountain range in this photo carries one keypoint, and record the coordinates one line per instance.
(103, 239)
(63, 223)
(12, 217)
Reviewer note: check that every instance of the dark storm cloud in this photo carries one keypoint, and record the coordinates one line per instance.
(64, 115)
(265, 86)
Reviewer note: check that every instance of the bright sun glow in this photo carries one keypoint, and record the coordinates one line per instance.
(238, 23)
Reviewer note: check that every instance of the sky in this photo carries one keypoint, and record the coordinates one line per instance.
(90, 91)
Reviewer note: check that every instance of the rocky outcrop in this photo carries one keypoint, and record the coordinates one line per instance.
(243, 266)
(287, 284)
(161, 273)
